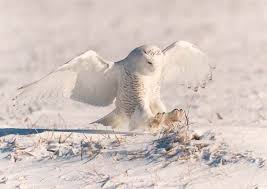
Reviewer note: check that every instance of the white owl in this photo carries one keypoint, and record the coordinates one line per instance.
(134, 82)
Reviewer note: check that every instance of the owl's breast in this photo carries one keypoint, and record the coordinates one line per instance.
(133, 91)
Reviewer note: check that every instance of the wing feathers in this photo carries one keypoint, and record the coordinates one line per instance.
(87, 78)
(187, 64)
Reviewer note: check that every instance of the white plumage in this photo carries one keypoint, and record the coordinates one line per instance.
(134, 81)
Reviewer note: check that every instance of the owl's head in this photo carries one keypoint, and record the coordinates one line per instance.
(145, 60)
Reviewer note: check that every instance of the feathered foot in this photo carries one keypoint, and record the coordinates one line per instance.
(169, 120)
(177, 117)
(157, 120)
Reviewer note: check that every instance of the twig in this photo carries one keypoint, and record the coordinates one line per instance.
(63, 141)
(81, 149)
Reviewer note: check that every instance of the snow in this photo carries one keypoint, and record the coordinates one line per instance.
(53, 145)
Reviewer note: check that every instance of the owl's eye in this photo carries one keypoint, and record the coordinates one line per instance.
(149, 63)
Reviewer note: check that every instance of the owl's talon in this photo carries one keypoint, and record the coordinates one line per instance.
(157, 120)
(168, 120)
(175, 116)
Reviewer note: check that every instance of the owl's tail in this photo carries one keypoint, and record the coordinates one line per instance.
(113, 119)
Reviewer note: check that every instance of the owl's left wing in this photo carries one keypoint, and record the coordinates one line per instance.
(87, 78)
(185, 64)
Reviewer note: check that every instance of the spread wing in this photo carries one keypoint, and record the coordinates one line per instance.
(87, 78)
(186, 65)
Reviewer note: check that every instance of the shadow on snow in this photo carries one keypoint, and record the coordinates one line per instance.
(26, 131)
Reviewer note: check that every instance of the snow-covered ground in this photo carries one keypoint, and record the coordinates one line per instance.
(53, 146)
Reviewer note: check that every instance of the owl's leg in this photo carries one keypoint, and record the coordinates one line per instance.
(147, 114)
(157, 106)
(140, 117)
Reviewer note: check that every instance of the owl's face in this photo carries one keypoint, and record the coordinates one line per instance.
(145, 60)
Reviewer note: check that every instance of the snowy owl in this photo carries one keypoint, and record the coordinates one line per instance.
(133, 83)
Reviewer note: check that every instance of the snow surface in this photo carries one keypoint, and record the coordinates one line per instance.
(53, 145)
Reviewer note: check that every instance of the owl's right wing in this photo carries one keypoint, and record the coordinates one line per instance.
(87, 78)
(187, 65)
